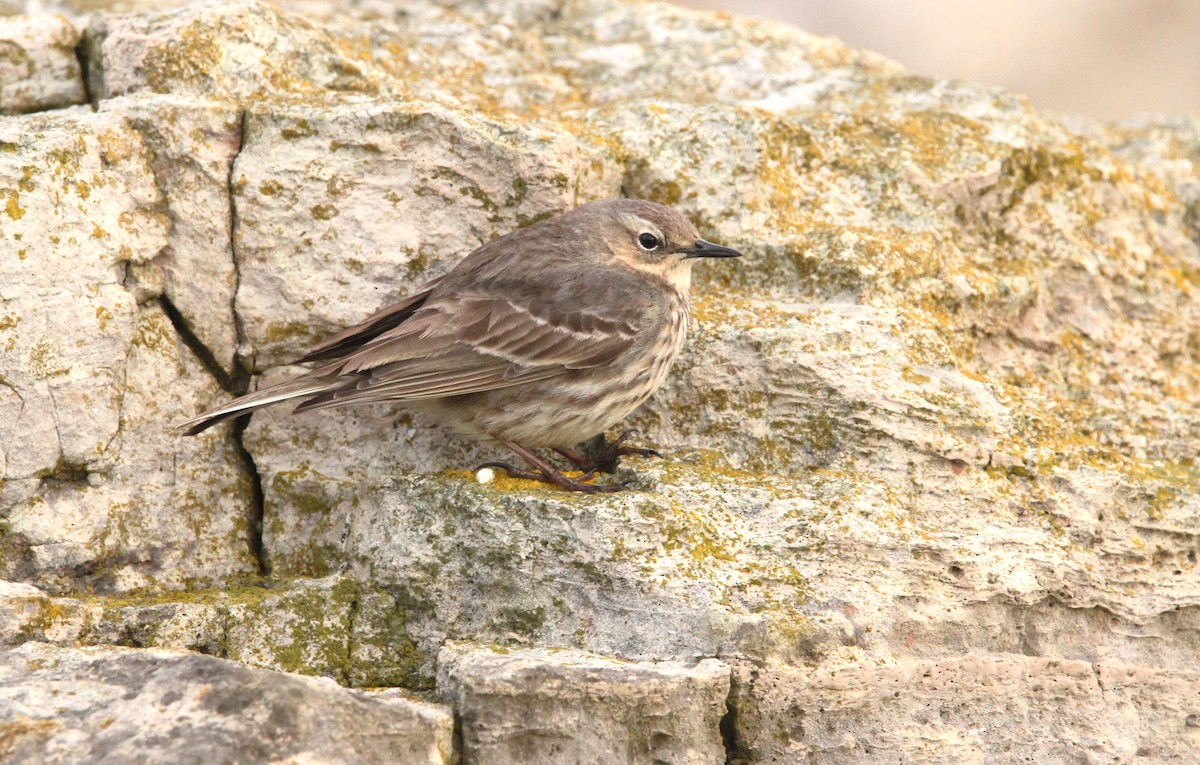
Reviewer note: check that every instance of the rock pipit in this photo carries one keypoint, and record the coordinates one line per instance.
(544, 337)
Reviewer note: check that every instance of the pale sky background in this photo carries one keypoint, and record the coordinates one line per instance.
(1104, 59)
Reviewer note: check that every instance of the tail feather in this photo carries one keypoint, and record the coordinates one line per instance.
(285, 391)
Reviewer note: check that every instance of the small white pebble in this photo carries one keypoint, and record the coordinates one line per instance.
(485, 475)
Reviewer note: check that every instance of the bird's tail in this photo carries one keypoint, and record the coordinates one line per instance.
(285, 391)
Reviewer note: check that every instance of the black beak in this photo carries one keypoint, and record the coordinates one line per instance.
(703, 249)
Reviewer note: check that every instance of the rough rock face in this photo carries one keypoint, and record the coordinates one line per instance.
(38, 67)
(152, 706)
(510, 703)
(930, 492)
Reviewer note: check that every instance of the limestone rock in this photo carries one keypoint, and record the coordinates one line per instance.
(38, 66)
(123, 705)
(95, 488)
(192, 144)
(942, 418)
(551, 569)
(967, 709)
(1167, 148)
(567, 707)
(27, 613)
(243, 49)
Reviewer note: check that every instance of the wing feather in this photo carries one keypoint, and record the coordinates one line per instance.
(473, 343)
(392, 316)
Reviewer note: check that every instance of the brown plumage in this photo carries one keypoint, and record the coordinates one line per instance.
(543, 337)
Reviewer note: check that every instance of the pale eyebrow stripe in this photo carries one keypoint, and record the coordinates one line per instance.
(638, 225)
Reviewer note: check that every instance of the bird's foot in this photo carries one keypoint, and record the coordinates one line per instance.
(604, 457)
(556, 478)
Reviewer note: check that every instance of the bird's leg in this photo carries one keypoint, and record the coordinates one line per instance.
(582, 462)
(546, 473)
(604, 457)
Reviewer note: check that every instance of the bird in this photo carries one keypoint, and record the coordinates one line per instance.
(542, 338)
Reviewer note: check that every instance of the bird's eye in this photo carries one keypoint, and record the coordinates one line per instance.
(648, 241)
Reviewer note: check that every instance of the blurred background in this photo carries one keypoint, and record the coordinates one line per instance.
(1103, 59)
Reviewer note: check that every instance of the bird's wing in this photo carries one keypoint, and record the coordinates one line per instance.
(473, 343)
(373, 326)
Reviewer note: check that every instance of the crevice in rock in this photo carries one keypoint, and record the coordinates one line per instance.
(241, 377)
(257, 500)
(352, 614)
(89, 53)
(69, 472)
(231, 192)
(456, 734)
(234, 384)
(81, 55)
(733, 750)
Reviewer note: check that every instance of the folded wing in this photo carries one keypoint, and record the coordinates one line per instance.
(474, 343)
(453, 346)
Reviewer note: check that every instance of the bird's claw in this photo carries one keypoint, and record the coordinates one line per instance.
(606, 459)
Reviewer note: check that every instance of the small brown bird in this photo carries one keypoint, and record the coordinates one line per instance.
(543, 337)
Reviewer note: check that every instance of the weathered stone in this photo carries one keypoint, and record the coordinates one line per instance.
(336, 627)
(946, 407)
(971, 709)
(568, 707)
(240, 49)
(1167, 148)
(27, 613)
(192, 143)
(38, 66)
(60, 705)
(95, 488)
(476, 562)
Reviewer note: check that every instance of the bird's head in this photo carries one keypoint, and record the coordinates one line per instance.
(657, 240)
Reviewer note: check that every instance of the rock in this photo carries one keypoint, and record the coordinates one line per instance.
(38, 66)
(567, 706)
(942, 418)
(966, 709)
(27, 613)
(122, 705)
(192, 144)
(334, 626)
(242, 49)
(96, 489)
(1165, 148)
(555, 570)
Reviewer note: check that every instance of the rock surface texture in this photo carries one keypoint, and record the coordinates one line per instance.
(510, 704)
(93, 705)
(930, 493)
